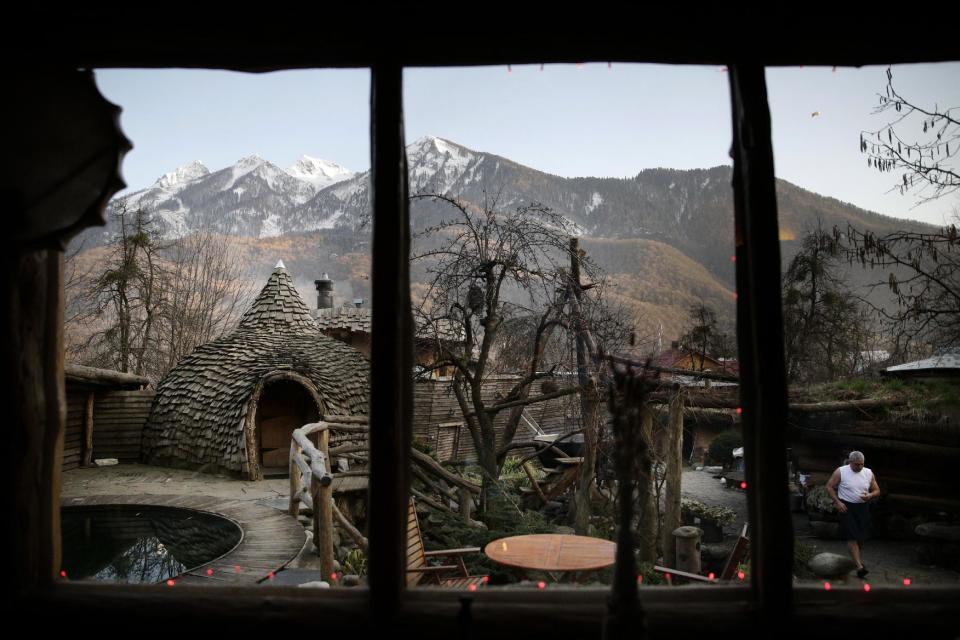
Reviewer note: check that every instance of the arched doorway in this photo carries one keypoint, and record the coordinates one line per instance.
(281, 403)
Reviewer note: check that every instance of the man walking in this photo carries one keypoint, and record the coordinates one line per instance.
(852, 487)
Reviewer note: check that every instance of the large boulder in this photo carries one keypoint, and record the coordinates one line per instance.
(831, 565)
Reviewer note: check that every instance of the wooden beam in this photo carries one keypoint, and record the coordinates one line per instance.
(103, 377)
(673, 454)
(763, 388)
(32, 356)
(391, 392)
(88, 431)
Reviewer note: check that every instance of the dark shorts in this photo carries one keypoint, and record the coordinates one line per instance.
(855, 523)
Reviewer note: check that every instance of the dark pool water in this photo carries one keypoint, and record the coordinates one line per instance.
(141, 544)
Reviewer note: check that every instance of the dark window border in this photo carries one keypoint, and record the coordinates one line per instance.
(104, 40)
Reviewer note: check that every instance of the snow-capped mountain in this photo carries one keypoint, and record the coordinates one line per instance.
(319, 173)
(690, 210)
(251, 197)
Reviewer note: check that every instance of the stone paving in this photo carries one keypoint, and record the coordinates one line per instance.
(889, 561)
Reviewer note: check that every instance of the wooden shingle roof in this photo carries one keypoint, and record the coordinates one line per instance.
(201, 405)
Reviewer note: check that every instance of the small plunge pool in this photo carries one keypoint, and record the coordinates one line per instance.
(141, 543)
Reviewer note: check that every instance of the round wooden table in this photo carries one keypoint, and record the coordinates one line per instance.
(553, 553)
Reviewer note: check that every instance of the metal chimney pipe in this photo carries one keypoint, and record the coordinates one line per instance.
(324, 292)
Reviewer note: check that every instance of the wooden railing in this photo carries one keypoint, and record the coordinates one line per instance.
(311, 480)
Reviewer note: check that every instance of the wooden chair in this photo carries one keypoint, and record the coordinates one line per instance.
(451, 576)
(729, 569)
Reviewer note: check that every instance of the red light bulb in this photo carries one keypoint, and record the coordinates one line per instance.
(209, 572)
(741, 575)
(63, 574)
(486, 579)
(866, 587)
(541, 585)
(170, 583)
(712, 576)
(906, 582)
(826, 586)
(743, 485)
(472, 587)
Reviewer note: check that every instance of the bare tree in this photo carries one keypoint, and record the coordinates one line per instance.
(151, 302)
(919, 142)
(927, 291)
(499, 285)
(118, 303)
(826, 327)
(205, 293)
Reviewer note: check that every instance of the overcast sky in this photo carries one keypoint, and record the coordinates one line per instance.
(571, 120)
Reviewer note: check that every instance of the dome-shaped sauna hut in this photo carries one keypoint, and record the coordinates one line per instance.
(233, 403)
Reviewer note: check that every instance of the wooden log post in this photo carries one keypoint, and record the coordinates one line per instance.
(687, 549)
(323, 509)
(32, 356)
(649, 517)
(322, 524)
(673, 452)
(296, 482)
(466, 503)
(87, 459)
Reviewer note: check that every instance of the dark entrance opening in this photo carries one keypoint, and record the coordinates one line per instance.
(284, 406)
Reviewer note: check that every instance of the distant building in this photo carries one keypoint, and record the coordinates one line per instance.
(678, 358)
(352, 324)
(946, 364)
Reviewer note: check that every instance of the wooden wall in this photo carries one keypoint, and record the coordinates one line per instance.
(435, 405)
(73, 439)
(118, 419)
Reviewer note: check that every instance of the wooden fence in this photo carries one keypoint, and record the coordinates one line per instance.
(312, 479)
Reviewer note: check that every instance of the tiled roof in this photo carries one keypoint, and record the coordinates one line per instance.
(201, 405)
(357, 320)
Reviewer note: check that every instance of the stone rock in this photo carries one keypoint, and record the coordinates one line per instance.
(831, 565)
(825, 530)
(569, 531)
(350, 580)
(106, 462)
(939, 531)
(305, 521)
(316, 584)
(713, 470)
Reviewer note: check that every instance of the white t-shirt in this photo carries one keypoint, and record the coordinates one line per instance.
(853, 485)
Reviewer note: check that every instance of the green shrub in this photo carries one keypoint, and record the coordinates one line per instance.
(722, 446)
(355, 563)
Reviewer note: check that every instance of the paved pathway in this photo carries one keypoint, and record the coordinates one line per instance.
(271, 538)
(889, 561)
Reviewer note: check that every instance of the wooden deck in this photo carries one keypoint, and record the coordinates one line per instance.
(271, 538)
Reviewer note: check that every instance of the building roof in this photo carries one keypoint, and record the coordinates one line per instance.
(947, 360)
(354, 319)
(200, 409)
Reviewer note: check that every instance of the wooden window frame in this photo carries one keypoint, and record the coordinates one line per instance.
(771, 597)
